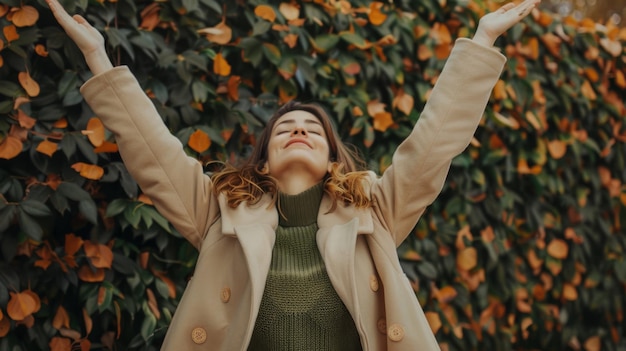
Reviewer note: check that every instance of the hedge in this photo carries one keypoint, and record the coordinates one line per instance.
(523, 250)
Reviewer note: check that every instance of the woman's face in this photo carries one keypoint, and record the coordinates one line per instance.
(298, 146)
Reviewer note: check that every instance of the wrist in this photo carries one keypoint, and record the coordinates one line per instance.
(98, 61)
(484, 39)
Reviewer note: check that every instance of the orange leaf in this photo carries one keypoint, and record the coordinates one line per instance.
(10, 33)
(47, 147)
(28, 83)
(374, 107)
(61, 123)
(93, 172)
(434, 320)
(221, 66)
(382, 121)
(220, 34)
(499, 91)
(199, 141)
(35, 297)
(150, 18)
(593, 344)
(73, 243)
(291, 40)
(587, 90)
(88, 322)
(21, 305)
(289, 11)
(558, 249)
(106, 147)
(85, 273)
(61, 318)
(467, 258)
(58, 343)
(352, 68)
(96, 131)
(376, 16)
(620, 79)
(441, 34)
(102, 293)
(5, 327)
(10, 147)
(266, 12)
(557, 148)
(25, 16)
(446, 294)
(569, 292)
(25, 121)
(404, 102)
(101, 255)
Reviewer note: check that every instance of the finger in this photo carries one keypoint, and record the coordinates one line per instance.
(506, 7)
(524, 8)
(59, 12)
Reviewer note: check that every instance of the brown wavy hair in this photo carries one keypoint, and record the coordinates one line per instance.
(249, 182)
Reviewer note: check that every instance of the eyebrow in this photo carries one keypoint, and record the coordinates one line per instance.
(291, 121)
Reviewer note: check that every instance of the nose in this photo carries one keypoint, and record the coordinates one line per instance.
(298, 131)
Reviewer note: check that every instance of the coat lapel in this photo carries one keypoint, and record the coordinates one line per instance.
(336, 241)
(255, 228)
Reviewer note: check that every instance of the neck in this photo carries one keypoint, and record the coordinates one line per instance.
(295, 182)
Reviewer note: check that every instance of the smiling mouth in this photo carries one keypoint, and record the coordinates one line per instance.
(297, 142)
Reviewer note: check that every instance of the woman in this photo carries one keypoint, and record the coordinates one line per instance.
(297, 249)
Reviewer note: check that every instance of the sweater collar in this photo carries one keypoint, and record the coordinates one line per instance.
(300, 209)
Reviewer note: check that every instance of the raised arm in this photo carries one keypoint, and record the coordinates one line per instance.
(446, 125)
(154, 157)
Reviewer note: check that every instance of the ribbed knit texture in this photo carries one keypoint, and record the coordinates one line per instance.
(300, 309)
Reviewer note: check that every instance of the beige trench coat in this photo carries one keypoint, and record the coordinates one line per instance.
(220, 304)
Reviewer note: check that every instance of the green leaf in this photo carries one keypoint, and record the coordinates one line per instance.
(73, 192)
(116, 207)
(9, 89)
(88, 209)
(272, 53)
(326, 42)
(35, 208)
(30, 226)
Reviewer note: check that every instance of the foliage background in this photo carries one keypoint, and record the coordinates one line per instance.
(524, 249)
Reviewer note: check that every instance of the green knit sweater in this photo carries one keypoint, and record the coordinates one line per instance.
(300, 309)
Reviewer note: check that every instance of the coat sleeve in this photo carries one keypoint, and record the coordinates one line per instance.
(154, 157)
(445, 127)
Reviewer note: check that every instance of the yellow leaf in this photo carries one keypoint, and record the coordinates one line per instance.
(47, 147)
(374, 107)
(10, 147)
(220, 34)
(93, 172)
(467, 258)
(587, 90)
(28, 83)
(266, 12)
(221, 66)
(289, 11)
(96, 128)
(10, 33)
(510, 122)
(375, 15)
(25, 16)
(558, 249)
(199, 141)
(434, 320)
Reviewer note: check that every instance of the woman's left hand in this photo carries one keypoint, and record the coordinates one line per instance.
(493, 24)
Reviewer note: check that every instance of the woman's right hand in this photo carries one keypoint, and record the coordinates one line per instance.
(87, 38)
